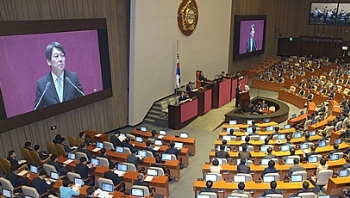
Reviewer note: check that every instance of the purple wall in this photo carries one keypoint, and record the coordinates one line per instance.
(23, 62)
(245, 34)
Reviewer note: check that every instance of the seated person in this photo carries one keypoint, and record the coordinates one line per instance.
(39, 183)
(312, 152)
(114, 139)
(215, 168)
(62, 171)
(295, 168)
(301, 92)
(231, 132)
(160, 164)
(305, 188)
(82, 149)
(222, 153)
(154, 135)
(42, 154)
(307, 136)
(28, 146)
(57, 139)
(242, 167)
(323, 137)
(140, 182)
(288, 138)
(83, 170)
(90, 192)
(82, 136)
(253, 131)
(309, 95)
(209, 188)
(133, 159)
(224, 143)
(150, 148)
(244, 154)
(247, 143)
(173, 150)
(16, 180)
(269, 154)
(347, 165)
(346, 133)
(240, 190)
(263, 105)
(255, 111)
(127, 144)
(321, 166)
(189, 86)
(65, 146)
(273, 186)
(12, 158)
(115, 178)
(183, 96)
(270, 169)
(104, 155)
(322, 109)
(276, 130)
(335, 150)
(66, 191)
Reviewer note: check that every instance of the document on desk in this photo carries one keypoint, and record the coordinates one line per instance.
(96, 149)
(160, 137)
(119, 173)
(68, 161)
(101, 193)
(23, 172)
(156, 148)
(122, 138)
(148, 179)
(22, 161)
(73, 147)
(98, 135)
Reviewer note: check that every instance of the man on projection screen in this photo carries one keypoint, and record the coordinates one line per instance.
(251, 42)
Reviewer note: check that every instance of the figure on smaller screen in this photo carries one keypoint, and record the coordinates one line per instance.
(59, 85)
(251, 42)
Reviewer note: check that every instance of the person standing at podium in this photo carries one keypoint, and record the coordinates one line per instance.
(202, 77)
(238, 92)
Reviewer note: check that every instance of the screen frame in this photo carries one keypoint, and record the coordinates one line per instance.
(55, 26)
(237, 28)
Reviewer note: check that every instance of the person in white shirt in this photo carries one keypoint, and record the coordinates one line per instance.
(215, 168)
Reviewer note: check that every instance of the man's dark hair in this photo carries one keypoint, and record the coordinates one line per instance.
(313, 148)
(82, 159)
(62, 139)
(36, 147)
(148, 143)
(273, 185)
(323, 161)
(241, 186)
(27, 144)
(66, 182)
(53, 157)
(271, 163)
(158, 159)
(267, 140)
(154, 132)
(111, 166)
(224, 141)
(42, 172)
(81, 134)
(90, 191)
(134, 151)
(82, 145)
(215, 162)
(127, 140)
(247, 139)
(222, 147)
(305, 185)
(11, 152)
(243, 161)
(277, 128)
(232, 131)
(244, 147)
(172, 144)
(49, 48)
(103, 151)
(324, 133)
(292, 151)
(296, 161)
(336, 146)
(269, 150)
(117, 132)
(288, 138)
(209, 184)
(307, 135)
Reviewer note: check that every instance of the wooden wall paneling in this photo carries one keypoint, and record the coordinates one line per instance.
(15, 144)
(6, 142)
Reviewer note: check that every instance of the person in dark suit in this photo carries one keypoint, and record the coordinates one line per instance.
(242, 167)
(83, 170)
(238, 92)
(273, 186)
(296, 167)
(13, 161)
(115, 178)
(312, 152)
(269, 154)
(222, 153)
(62, 171)
(202, 77)
(149, 148)
(309, 95)
(82, 149)
(82, 136)
(335, 150)
(133, 159)
(42, 154)
(251, 44)
(39, 183)
(189, 86)
(16, 180)
(263, 105)
(57, 139)
(114, 139)
(183, 96)
(247, 139)
(65, 146)
(154, 135)
(244, 154)
(28, 146)
(140, 182)
(173, 150)
(209, 188)
(60, 85)
(305, 188)
(104, 155)
(127, 144)
(270, 169)
(161, 165)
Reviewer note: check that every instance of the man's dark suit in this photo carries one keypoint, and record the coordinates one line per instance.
(114, 177)
(66, 148)
(83, 170)
(115, 141)
(295, 168)
(128, 145)
(272, 191)
(173, 151)
(269, 170)
(58, 167)
(133, 160)
(244, 155)
(42, 156)
(269, 156)
(16, 180)
(41, 186)
(143, 184)
(13, 162)
(153, 151)
(88, 154)
(51, 96)
(222, 154)
(251, 45)
(241, 168)
(189, 87)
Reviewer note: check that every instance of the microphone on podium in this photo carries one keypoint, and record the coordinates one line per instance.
(42, 95)
(75, 87)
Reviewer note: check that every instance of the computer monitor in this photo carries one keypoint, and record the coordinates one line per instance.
(139, 139)
(152, 172)
(71, 156)
(122, 135)
(301, 112)
(262, 137)
(313, 121)
(78, 181)
(122, 167)
(304, 146)
(183, 135)
(6, 193)
(137, 192)
(339, 127)
(54, 175)
(312, 133)
(297, 178)
(219, 159)
(227, 137)
(95, 162)
(119, 149)
(290, 160)
(142, 153)
(230, 196)
(268, 179)
(294, 116)
(33, 169)
(250, 130)
(239, 178)
(269, 128)
(285, 148)
(281, 137)
(297, 135)
(338, 141)
(143, 129)
(202, 196)
(99, 144)
(265, 161)
(211, 177)
(334, 157)
(313, 159)
(158, 142)
(162, 132)
(322, 144)
(343, 173)
(107, 187)
(27, 196)
(287, 126)
(250, 122)
(233, 122)
(323, 196)
(179, 145)
(166, 156)
(267, 120)
(240, 148)
(264, 148)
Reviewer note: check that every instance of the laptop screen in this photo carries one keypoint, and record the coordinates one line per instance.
(166, 156)
(262, 137)
(268, 179)
(281, 136)
(239, 178)
(227, 137)
(267, 120)
(285, 148)
(78, 181)
(313, 159)
(287, 126)
(233, 122)
(294, 116)
(107, 187)
(119, 149)
(54, 175)
(179, 145)
(249, 130)
(33, 169)
(162, 132)
(270, 128)
(137, 192)
(264, 148)
(183, 135)
(142, 153)
(6, 193)
(139, 139)
(152, 172)
(71, 156)
(304, 146)
(297, 135)
(338, 141)
(312, 133)
(334, 157)
(99, 144)
(343, 173)
(265, 161)
(144, 129)
(211, 177)
(297, 178)
(301, 112)
(322, 144)
(95, 162)
(250, 122)
(290, 161)
(323, 196)
(158, 142)
(122, 167)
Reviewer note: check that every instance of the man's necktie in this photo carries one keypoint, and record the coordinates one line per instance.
(59, 88)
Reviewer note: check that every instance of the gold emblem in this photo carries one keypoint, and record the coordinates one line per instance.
(187, 16)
